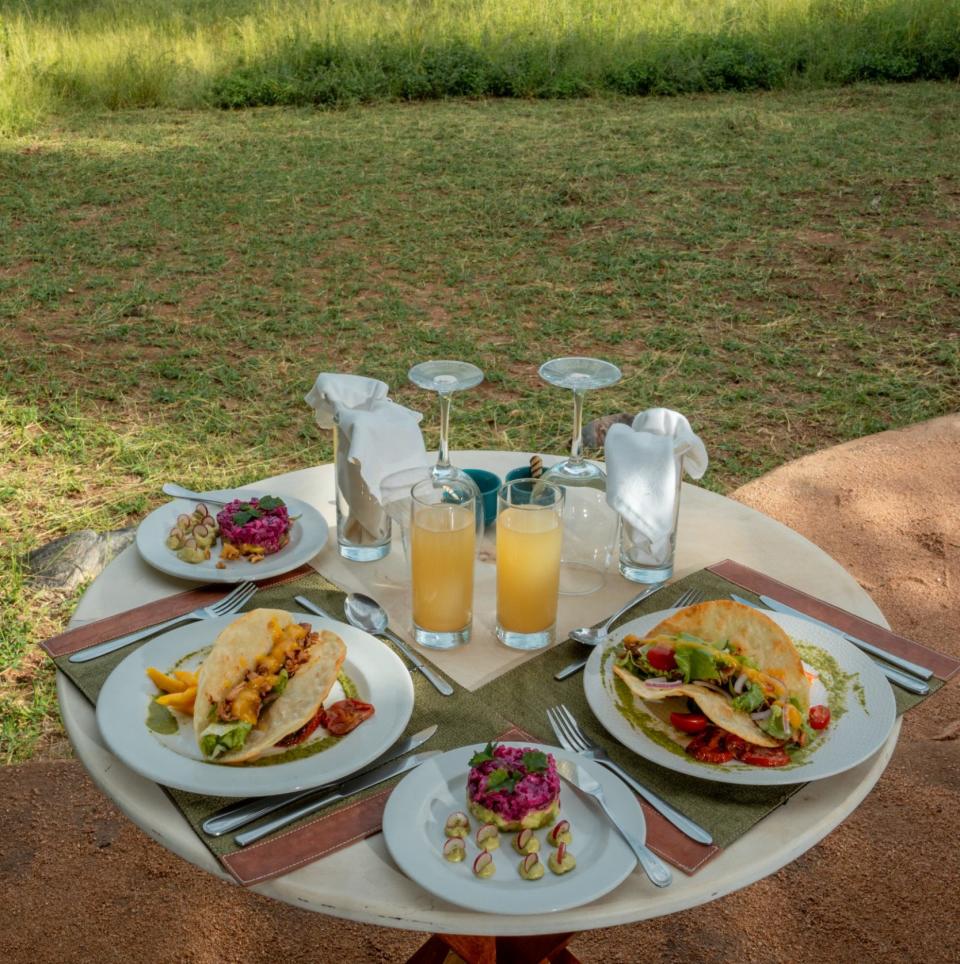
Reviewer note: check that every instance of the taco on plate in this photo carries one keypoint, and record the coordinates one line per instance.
(265, 678)
(740, 669)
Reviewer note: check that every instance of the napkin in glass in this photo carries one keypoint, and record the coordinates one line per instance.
(645, 463)
(375, 438)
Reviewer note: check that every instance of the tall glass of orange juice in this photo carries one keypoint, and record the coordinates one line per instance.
(443, 533)
(529, 535)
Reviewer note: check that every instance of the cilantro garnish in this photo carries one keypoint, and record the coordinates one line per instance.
(503, 779)
(482, 756)
(247, 511)
(535, 761)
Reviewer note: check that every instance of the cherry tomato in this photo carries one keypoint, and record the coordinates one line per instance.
(765, 756)
(661, 657)
(819, 717)
(298, 736)
(346, 715)
(708, 747)
(689, 722)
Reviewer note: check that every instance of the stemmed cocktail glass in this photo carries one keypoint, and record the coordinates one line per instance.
(589, 524)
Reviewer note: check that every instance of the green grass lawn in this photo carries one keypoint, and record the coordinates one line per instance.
(783, 268)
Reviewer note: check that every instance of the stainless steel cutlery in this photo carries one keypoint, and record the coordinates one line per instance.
(572, 738)
(230, 604)
(241, 812)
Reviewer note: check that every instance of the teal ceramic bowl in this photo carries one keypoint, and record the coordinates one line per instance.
(523, 472)
(489, 485)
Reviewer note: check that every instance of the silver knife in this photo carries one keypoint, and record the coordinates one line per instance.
(904, 664)
(355, 785)
(441, 685)
(242, 812)
(909, 683)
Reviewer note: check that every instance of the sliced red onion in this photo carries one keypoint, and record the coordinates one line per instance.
(740, 683)
(712, 686)
(656, 680)
(761, 714)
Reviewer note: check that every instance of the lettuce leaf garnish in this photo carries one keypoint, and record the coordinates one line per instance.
(695, 664)
(218, 738)
(750, 700)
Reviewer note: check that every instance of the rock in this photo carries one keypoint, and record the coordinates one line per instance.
(595, 432)
(72, 560)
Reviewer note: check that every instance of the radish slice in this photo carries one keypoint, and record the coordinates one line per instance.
(483, 866)
(488, 837)
(560, 834)
(531, 868)
(454, 849)
(530, 861)
(526, 842)
(457, 825)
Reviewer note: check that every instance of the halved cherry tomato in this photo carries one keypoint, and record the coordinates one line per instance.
(298, 736)
(819, 717)
(661, 657)
(346, 715)
(689, 722)
(765, 756)
(708, 747)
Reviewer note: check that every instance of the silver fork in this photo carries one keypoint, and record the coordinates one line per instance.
(229, 604)
(572, 738)
(658, 872)
(687, 598)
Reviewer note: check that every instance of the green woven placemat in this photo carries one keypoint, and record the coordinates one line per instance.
(518, 698)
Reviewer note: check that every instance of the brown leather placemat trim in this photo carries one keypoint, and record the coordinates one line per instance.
(673, 845)
(328, 833)
(942, 665)
(150, 614)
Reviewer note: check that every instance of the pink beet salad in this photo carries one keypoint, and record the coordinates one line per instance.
(513, 781)
(259, 525)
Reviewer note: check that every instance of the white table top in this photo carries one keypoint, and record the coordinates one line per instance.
(361, 882)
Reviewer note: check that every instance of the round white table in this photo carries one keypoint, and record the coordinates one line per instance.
(362, 883)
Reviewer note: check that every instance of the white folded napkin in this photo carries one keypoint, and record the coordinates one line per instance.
(378, 439)
(644, 465)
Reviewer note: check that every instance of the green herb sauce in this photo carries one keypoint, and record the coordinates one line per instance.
(160, 719)
(834, 680)
(348, 685)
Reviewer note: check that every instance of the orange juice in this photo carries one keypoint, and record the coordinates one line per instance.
(528, 569)
(442, 549)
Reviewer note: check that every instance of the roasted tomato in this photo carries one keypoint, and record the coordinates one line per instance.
(709, 747)
(689, 722)
(346, 715)
(819, 717)
(661, 657)
(764, 756)
(298, 736)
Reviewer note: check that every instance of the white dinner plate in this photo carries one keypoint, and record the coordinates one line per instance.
(417, 810)
(308, 535)
(862, 714)
(175, 760)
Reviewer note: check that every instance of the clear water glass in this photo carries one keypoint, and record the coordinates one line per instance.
(443, 536)
(589, 524)
(529, 537)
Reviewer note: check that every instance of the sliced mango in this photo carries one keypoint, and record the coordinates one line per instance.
(166, 683)
(185, 676)
(182, 702)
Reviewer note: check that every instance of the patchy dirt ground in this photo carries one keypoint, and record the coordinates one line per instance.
(91, 887)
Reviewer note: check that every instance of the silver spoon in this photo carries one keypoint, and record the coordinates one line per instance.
(367, 614)
(179, 492)
(594, 635)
